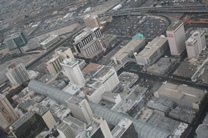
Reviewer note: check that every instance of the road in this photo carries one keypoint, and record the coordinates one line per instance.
(166, 9)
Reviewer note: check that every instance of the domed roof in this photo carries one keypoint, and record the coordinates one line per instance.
(138, 36)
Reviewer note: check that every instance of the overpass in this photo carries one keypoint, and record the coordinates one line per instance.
(166, 9)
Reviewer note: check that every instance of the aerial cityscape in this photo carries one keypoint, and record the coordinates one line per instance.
(103, 69)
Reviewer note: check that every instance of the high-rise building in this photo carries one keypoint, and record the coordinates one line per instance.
(80, 110)
(72, 70)
(7, 113)
(33, 122)
(124, 129)
(15, 41)
(54, 65)
(84, 124)
(63, 53)
(195, 44)
(176, 38)
(91, 21)
(89, 44)
(17, 74)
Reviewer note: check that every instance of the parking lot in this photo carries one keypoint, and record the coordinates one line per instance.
(128, 26)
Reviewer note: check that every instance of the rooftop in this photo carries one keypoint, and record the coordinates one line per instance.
(71, 88)
(2, 96)
(102, 71)
(69, 62)
(90, 67)
(153, 46)
(22, 120)
(121, 127)
(129, 47)
(26, 104)
(174, 25)
(52, 59)
(48, 39)
(181, 92)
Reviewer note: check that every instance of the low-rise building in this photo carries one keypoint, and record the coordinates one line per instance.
(152, 51)
(182, 95)
(48, 42)
(128, 50)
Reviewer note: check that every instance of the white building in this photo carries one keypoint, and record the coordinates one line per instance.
(49, 41)
(53, 65)
(176, 38)
(72, 70)
(195, 44)
(80, 110)
(17, 74)
(152, 51)
(99, 79)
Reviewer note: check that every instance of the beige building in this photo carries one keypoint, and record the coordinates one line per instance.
(7, 113)
(89, 44)
(152, 51)
(176, 38)
(63, 53)
(128, 50)
(54, 66)
(91, 21)
(182, 95)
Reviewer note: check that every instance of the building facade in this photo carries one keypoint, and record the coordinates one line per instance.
(7, 113)
(152, 51)
(15, 41)
(176, 38)
(17, 74)
(89, 44)
(80, 110)
(54, 65)
(47, 43)
(195, 44)
(72, 70)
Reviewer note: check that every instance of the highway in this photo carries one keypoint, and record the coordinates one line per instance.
(49, 53)
(167, 9)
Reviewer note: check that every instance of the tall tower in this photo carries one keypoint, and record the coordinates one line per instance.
(176, 38)
(7, 113)
(80, 110)
(17, 74)
(72, 70)
(196, 44)
(53, 65)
